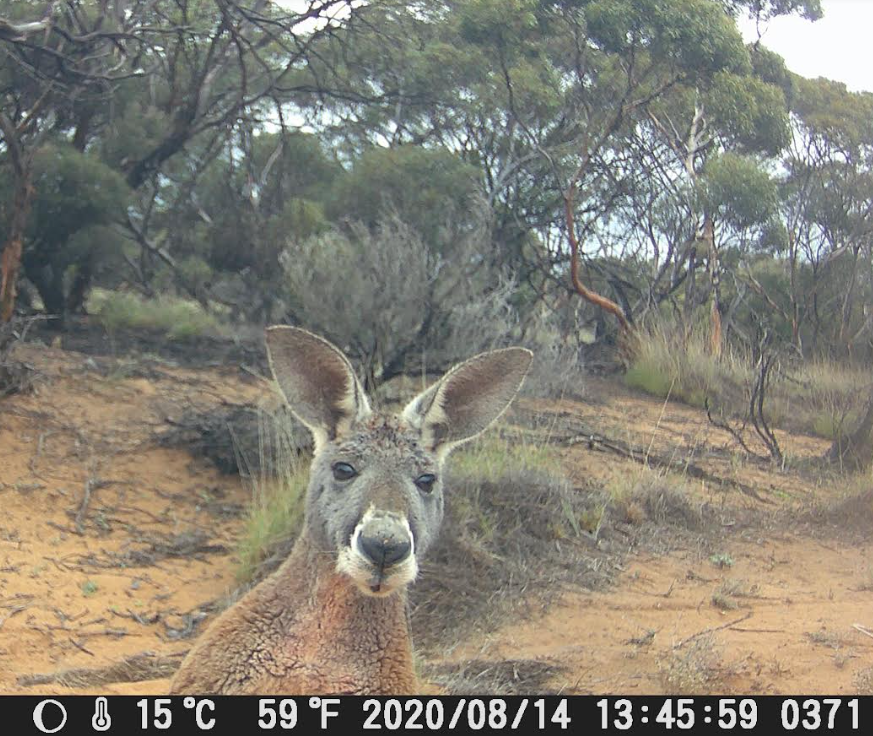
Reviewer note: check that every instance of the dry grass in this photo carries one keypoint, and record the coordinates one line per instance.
(513, 531)
(863, 681)
(815, 397)
(278, 486)
(670, 364)
(829, 639)
(505, 677)
(848, 509)
(656, 495)
(725, 596)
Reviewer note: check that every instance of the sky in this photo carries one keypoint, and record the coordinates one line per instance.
(839, 46)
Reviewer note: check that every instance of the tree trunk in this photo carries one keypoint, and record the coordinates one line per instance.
(627, 341)
(10, 260)
(715, 336)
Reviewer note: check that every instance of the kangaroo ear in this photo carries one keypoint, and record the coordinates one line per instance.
(468, 398)
(317, 381)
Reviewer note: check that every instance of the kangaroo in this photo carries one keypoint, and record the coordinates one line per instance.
(333, 618)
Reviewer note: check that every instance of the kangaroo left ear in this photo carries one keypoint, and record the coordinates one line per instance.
(318, 382)
(468, 399)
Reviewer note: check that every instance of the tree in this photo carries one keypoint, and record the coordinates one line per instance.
(829, 210)
(147, 81)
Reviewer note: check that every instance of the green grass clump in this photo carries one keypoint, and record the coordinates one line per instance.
(492, 455)
(89, 588)
(274, 521)
(649, 378)
(178, 319)
(683, 368)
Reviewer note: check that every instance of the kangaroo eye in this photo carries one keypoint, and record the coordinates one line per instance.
(344, 471)
(425, 482)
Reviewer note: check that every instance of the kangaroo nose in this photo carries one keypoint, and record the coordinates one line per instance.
(384, 543)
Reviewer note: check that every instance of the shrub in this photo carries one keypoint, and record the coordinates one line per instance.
(660, 497)
(178, 319)
(394, 303)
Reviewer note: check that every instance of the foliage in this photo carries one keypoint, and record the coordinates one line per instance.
(394, 302)
(176, 318)
(413, 160)
(432, 190)
(737, 188)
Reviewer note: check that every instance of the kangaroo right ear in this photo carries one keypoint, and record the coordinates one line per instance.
(317, 381)
(468, 398)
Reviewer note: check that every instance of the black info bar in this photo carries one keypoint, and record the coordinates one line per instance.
(343, 714)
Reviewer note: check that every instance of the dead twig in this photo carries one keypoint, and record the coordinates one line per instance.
(13, 612)
(710, 630)
(92, 484)
(81, 647)
(863, 629)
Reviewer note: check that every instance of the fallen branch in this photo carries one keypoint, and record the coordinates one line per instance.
(597, 441)
(711, 630)
(92, 484)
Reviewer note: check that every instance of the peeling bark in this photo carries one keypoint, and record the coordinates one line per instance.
(10, 260)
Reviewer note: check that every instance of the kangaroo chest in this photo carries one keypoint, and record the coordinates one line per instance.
(337, 641)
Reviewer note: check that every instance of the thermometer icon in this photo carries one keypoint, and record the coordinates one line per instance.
(100, 721)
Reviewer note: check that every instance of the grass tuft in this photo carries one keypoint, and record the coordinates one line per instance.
(274, 522)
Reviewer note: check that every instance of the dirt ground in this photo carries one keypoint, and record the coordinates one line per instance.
(115, 550)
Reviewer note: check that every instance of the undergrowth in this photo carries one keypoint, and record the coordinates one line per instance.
(177, 319)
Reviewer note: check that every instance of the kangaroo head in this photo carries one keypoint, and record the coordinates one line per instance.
(375, 496)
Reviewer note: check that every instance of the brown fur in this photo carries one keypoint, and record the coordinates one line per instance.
(304, 630)
(331, 619)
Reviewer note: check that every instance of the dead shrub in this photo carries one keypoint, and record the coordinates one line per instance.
(15, 375)
(694, 669)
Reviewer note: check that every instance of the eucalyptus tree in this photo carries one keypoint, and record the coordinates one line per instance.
(539, 95)
(828, 202)
(724, 133)
(144, 84)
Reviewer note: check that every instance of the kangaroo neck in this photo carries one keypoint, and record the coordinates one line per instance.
(329, 606)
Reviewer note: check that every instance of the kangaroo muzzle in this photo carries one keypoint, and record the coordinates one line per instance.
(384, 541)
(380, 556)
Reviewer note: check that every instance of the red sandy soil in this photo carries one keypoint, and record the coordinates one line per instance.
(790, 603)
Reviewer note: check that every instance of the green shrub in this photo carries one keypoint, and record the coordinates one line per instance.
(177, 319)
